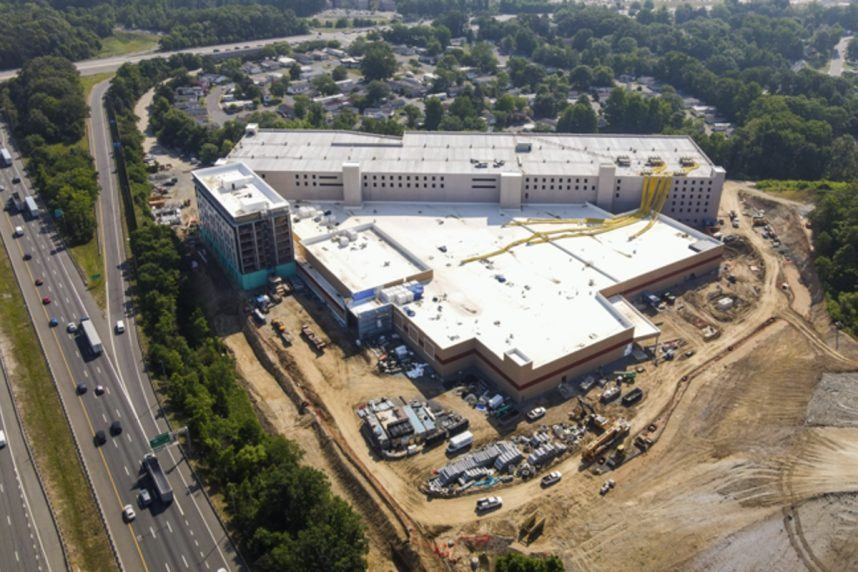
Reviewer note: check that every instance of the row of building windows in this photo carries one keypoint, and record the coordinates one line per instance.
(559, 187)
(405, 178)
(549, 180)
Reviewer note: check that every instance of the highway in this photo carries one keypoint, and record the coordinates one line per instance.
(125, 349)
(172, 538)
(99, 65)
(29, 539)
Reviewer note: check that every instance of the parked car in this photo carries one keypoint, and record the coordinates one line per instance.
(551, 478)
(535, 413)
(489, 503)
(610, 394)
(632, 397)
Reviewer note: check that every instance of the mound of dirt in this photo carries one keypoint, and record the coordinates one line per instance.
(835, 401)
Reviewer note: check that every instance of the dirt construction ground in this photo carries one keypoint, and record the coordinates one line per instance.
(737, 479)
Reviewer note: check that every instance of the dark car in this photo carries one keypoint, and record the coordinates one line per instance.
(28, 256)
(100, 438)
(81, 388)
(632, 397)
(116, 427)
(39, 281)
(46, 300)
(53, 322)
(16, 180)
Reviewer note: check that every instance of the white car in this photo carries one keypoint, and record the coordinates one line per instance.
(535, 413)
(2, 439)
(128, 513)
(120, 326)
(19, 231)
(489, 503)
(71, 327)
(551, 478)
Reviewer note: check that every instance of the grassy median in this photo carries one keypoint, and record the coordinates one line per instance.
(73, 502)
(128, 42)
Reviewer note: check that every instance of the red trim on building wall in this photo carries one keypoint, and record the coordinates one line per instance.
(670, 274)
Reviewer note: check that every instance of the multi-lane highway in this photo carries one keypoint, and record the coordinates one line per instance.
(125, 349)
(29, 539)
(180, 536)
(99, 65)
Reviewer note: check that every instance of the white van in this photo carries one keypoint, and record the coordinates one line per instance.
(459, 442)
(120, 326)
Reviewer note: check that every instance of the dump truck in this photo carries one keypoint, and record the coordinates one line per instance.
(159, 479)
(604, 442)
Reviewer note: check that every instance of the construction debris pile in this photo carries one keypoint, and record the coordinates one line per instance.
(398, 430)
(395, 357)
(475, 471)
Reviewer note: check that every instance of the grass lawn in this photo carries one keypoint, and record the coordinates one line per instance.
(800, 191)
(72, 500)
(127, 42)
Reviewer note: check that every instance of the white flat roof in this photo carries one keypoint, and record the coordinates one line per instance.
(239, 190)
(272, 150)
(540, 301)
(380, 261)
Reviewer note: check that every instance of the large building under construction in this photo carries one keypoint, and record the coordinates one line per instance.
(520, 256)
(509, 170)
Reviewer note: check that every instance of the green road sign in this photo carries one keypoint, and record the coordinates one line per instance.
(161, 440)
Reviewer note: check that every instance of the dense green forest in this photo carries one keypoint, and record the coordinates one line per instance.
(835, 240)
(45, 107)
(283, 513)
(75, 28)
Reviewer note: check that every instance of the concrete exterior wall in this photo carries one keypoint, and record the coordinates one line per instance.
(605, 187)
(556, 189)
(352, 192)
(511, 190)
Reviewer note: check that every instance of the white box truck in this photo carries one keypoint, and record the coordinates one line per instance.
(91, 336)
(459, 442)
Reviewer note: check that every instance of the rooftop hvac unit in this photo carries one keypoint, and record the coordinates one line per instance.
(624, 161)
(523, 147)
(654, 161)
(686, 161)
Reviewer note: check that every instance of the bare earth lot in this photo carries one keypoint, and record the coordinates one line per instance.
(739, 477)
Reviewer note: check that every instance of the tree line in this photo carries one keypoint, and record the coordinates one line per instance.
(45, 108)
(75, 29)
(282, 512)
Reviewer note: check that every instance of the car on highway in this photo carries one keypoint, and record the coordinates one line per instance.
(144, 498)
(487, 504)
(16, 180)
(71, 327)
(2, 439)
(120, 326)
(128, 513)
(99, 389)
(100, 438)
(81, 388)
(116, 427)
(28, 256)
(46, 300)
(551, 478)
(535, 413)
(39, 281)
(53, 322)
(19, 231)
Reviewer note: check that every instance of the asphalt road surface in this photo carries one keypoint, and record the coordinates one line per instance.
(29, 539)
(125, 349)
(99, 65)
(838, 64)
(167, 538)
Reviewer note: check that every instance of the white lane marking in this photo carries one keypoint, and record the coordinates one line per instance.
(167, 566)
(169, 527)
(129, 437)
(126, 470)
(77, 353)
(152, 530)
(2, 490)
(103, 416)
(17, 558)
(118, 414)
(8, 520)
(196, 543)
(97, 369)
(184, 561)
(85, 373)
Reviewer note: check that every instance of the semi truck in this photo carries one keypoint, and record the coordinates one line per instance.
(5, 157)
(159, 479)
(91, 336)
